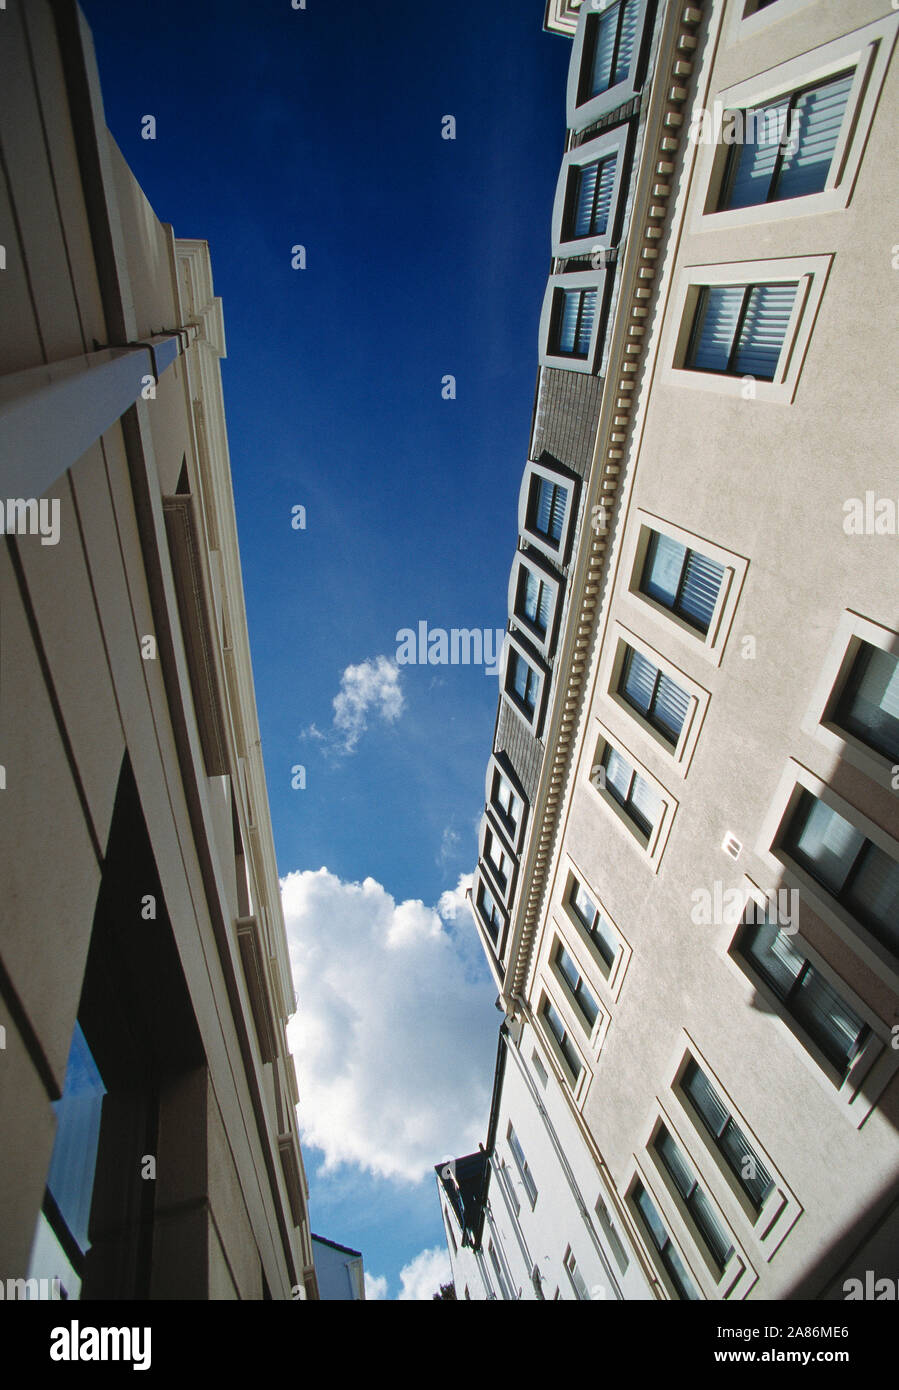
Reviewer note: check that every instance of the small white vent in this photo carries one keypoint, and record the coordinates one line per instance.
(732, 846)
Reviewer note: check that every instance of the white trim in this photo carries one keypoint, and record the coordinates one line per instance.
(610, 142)
(577, 280)
(533, 539)
(653, 845)
(579, 116)
(679, 755)
(530, 562)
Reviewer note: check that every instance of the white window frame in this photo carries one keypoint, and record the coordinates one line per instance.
(637, 1173)
(611, 978)
(580, 116)
(867, 50)
(739, 1275)
(594, 279)
(612, 663)
(871, 1071)
(577, 1086)
(809, 273)
(712, 644)
(593, 1036)
(653, 845)
(514, 643)
(818, 721)
(781, 1209)
(524, 561)
(794, 780)
(490, 826)
(610, 142)
(534, 470)
(494, 951)
(499, 764)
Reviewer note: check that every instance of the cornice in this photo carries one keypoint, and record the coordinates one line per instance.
(664, 105)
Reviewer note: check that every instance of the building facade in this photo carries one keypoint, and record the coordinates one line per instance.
(688, 884)
(339, 1271)
(147, 1093)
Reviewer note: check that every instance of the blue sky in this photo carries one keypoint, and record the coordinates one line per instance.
(424, 257)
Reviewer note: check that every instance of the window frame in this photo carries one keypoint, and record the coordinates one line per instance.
(576, 1083)
(490, 826)
(499, 766)
(533, 540)
(516, 645)
(819, 722)
(611, 672)
(531, 563)
(590, 1029)
(772, 848)
(613, 143)
(712, 645)
(809, 273)
(598, 279)
(652, 844)
(523, 1168)
(612, 976)
(656, 1253)
(581, 114)
(720, 1271)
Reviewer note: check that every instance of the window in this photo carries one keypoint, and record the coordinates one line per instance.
(501, 1280)
(869, 704)
(739, 330)
(578, 1283)
(534, 601)
(540, 1070)
(559, 1032)
(806, 995)
(589, 202)
(695, 1199)
(572, 324)
(653, 695)
(594, 923)
(787, 147)
(640, 802)
(851, 868)
(609, 45)
(660, 1238)
(522, 684)
(727, 1136)
(611, 1235)
(682, 580)
(449, 1230)
(510, 1190)
(505, 801)
(547, 505)
(489, 912)
(517, 1152)
(498, 860)
(580, 991)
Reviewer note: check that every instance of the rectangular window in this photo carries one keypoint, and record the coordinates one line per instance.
(869, 704)
(805, 993)
(506, 803)
(583, 997)
(850, 867)
(787, 147)
(507, 1183)
(566, 1047)
(540, 1070)
(660, 1238)
(490, 912)
(504, 1289)
(547, 505)
(574, 316)
(609, 48)
(594, 923)
(522, 683)
(615, 1243)
(739, 330)
(524, 1171)
(578, 1283)
(534, 601)
(682, 580)
(695, 1199)
(727, 1136)
(661, 702)
(590, 191)
(640, 802)
(498, 859)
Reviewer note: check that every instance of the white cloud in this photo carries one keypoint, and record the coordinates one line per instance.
(369, 689)
(449, 845)
(394, 1036)
(421, 1278)
(375, 1286)
(453, 906)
